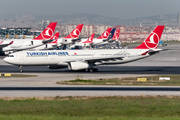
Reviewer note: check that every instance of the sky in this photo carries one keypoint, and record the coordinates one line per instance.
(110, 8)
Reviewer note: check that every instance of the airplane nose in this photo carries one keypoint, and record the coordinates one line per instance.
(6, 59)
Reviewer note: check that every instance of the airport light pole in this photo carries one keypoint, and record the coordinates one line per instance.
(22, 28)
(33, 29)
(14, 27)
(5, 23)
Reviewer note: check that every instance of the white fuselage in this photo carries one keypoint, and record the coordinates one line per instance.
(46, 46)
(60, 57)
(80, 43)
(98, 41)
(66, 41)
(22, 44)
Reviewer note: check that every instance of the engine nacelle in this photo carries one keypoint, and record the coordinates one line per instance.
(77, 65)
(56, 67)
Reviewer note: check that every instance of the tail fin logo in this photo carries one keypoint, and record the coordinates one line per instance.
(55, 37)
(116, 35)
(105, 35)
(47, 34)
(90, 39)
(152, 40)
(75, 33)
(55, 40)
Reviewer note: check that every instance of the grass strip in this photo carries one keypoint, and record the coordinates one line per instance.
(28, 117)
(116, 107)
(154, 81)
(18, 75)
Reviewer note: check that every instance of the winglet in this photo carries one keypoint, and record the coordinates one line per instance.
(47, 33)
(153, 39)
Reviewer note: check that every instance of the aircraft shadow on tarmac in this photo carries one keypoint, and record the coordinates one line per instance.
(102, 70)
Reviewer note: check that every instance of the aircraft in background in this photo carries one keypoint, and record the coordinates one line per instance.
(106, 41)
(86, 59)
(161, 43)
(23, 44)
(84, 42)
(50, 45)
(104, 36)
(115, 37)
(96, 41)
(71, 38)
(6, 42)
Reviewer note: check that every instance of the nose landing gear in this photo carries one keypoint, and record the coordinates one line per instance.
(20, 69)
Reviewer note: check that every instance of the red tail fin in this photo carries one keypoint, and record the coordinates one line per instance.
(56, 36)
(47, 33)
(76, 32)
(105, 34)
(116, 35)
(90, 39)
(153, 39)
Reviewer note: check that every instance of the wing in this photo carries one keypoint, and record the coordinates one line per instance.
(96, 59)
(3, 45)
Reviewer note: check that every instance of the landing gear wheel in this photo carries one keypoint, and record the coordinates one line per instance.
(91, 70)
(20, 69)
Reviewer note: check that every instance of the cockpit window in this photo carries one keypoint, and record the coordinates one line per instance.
(10, 55)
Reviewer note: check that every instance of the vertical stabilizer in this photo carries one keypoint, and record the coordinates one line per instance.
(105, 34)
(90, 39)
(153, 39)
(47, 33)
(75, 33)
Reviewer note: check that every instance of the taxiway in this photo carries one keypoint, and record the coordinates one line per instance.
(165, 62)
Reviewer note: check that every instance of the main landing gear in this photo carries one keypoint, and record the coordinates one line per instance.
(92, 70)
(20, 69)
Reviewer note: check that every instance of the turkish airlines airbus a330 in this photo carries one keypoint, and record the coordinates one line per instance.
(86, 59)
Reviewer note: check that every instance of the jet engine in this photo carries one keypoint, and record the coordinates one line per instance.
(78, 65)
